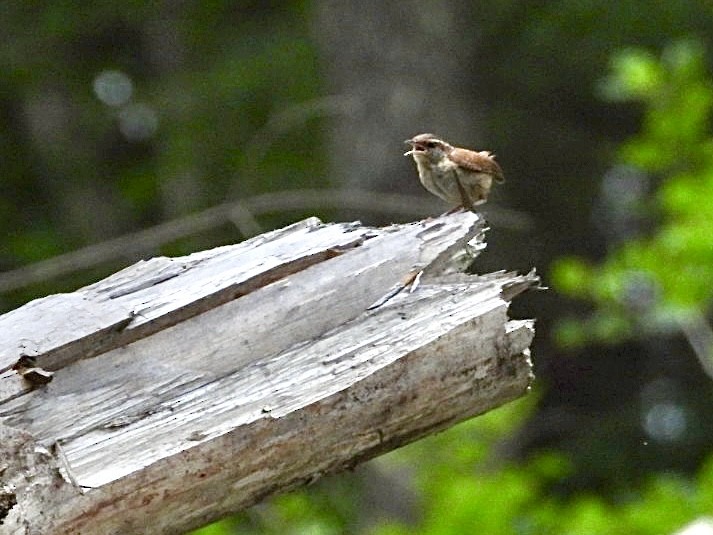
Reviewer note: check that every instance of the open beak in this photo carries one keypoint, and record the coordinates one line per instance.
(409, 142)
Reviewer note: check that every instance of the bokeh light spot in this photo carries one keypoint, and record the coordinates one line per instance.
(113, 88)
(138, 122)
(665, 422)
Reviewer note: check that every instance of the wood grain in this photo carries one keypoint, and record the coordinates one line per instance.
(247, 370)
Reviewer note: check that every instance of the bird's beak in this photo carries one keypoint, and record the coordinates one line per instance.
(409, 142)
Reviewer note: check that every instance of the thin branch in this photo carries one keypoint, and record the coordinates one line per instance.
(241, 213)
(295, 116)
(244, 220)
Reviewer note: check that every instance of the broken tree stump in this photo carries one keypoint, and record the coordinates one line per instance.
(179, 390)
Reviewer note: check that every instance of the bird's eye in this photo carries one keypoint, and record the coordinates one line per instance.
(431, 144)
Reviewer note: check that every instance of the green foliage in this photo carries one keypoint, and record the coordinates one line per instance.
(208, 77)
(656, 280)
(224, 527)
(217, 75)
(460, 487)
(460, 494)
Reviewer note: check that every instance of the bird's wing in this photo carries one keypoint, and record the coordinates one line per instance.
(480, 162)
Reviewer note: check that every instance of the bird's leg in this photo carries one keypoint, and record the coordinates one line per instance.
(458, 208)
(466, 201)
(464, 197)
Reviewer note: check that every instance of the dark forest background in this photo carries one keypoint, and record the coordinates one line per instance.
(135, 129)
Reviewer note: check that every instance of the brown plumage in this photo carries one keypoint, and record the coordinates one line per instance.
(461, 177)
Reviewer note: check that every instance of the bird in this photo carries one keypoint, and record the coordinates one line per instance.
(461, 177)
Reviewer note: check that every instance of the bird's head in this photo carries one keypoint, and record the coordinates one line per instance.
(427, 147)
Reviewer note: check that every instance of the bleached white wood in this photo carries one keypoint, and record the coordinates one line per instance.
(149, 295)
(157, 293)
(259, 369)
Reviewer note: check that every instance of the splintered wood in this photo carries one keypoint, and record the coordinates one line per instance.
(183, 389)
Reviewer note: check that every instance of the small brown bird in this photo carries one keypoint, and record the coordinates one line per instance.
(459, 176)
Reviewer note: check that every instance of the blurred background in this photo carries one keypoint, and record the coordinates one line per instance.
(135, 129)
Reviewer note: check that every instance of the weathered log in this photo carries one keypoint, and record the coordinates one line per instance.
(183, 389)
